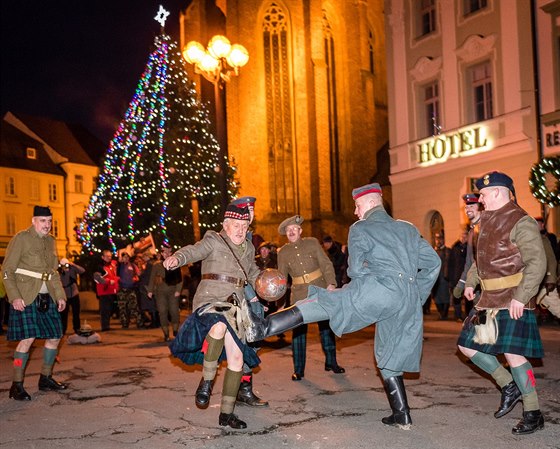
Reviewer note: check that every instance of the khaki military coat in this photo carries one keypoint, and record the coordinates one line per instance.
(217, 258)
(304, 257)
(31, 251)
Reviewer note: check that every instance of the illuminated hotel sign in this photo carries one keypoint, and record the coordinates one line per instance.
(439, 148)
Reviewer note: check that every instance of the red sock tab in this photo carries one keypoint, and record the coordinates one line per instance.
(204, 347)
(246, 378)
(531, 378)
(18, 363)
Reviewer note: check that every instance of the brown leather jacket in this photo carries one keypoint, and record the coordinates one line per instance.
(508, 244)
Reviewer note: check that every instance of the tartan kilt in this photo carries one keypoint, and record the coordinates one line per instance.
(519, 337)
(188, 342)
(34, 324)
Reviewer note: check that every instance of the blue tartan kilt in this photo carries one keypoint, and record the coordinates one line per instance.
(519, 337)
(31, 323)
(188, 342)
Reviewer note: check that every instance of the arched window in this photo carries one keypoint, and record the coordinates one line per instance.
(277, 58)
(328, 39)
(436, 226)
(371, 52)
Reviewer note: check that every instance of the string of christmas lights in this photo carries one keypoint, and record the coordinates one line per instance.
(163, 155)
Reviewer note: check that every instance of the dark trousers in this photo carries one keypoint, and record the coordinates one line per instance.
(73, 302)
(106, 310)
(299, 345)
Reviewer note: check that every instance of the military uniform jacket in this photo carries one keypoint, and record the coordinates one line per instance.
(393, 270)
(31, 251)
(157, 282)
(217, 258)
(304, 257)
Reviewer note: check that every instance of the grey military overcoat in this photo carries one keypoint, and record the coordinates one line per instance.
(392, 270)
(217, 258)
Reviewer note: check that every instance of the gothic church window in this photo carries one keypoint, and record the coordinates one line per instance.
(279, 109)
(329, 44)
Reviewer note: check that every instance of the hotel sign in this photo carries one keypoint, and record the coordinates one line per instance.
(440, 148)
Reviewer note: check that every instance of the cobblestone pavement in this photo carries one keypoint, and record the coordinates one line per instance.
(128, 392)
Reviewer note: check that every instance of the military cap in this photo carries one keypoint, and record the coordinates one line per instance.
(245, 201)
(364, 190)
(42, 211)
(265, 245)
(237, 212)
(471, 198)
(295, 220)
(495, 179)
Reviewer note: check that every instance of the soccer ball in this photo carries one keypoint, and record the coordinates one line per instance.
(271, 285)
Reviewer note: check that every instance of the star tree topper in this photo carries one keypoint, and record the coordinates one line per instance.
(161, 16)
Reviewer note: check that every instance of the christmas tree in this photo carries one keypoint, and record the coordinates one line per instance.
(161, 157)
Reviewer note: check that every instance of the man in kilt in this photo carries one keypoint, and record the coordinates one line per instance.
(509, 265)
(36, 295)
(211, 333)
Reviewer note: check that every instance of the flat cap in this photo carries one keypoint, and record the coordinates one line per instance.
(244, 201)
(42, 211)
(295, 220)
(471, 198)
(495, 179)
(237, 213)
(364, 190)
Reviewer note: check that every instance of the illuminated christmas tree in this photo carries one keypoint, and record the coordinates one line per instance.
(162, 156)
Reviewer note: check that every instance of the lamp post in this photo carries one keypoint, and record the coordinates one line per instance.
(218, 63)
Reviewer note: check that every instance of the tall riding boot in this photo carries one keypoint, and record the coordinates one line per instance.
(273, 324)
(245, 394)
(396, 393)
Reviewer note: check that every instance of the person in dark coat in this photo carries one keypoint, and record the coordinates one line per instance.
(441, 292)
(393, 270)
(455, 265)
(69, 273)
(338, 258)
(208, 335)
(510, 264)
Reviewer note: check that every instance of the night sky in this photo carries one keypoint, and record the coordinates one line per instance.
(78, 61)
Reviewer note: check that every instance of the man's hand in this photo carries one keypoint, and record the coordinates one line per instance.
(61, 305)
(18, 304)
(331, 287)
(171, 263)
(469, 293)
(150, 294)
(516, 309)
(177, 294)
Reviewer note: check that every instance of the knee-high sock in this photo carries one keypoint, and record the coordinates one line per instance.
(212, 349)
(525, 380)
(49, 356)
(20, 361)
(229, 390)
(490, 364)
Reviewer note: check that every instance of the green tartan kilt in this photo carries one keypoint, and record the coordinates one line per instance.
(31, 323)
(519, 337)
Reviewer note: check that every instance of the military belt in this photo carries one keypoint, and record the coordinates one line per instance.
(34, 274)
(500, 283)
(306, 278)
(222, 277)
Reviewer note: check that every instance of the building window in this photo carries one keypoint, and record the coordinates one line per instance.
(10, 186)
(79, 184)
(431, 118)
(279, 109)
(471, 6)
(426, 17)
(481, 88)
(10, 224)
(31, 153)
(371, 53)
(55, 228)
(53, 194)
(436, 226)
(34, 189)
(329, 45)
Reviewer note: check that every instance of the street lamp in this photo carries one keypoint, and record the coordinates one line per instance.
(218, 63)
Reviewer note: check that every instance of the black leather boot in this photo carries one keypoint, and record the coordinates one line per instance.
(396, 393)
(18, 392)
(246, 396)
(510, 396)
(203, 393)
(47, 383)
(337, 369)
(532, 421)
(229, 419)
(274, 324)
